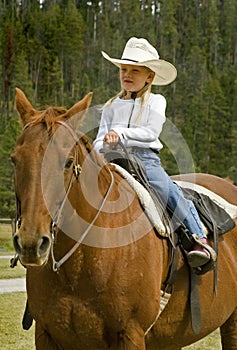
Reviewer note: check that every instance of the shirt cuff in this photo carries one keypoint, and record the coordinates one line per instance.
(120, 133)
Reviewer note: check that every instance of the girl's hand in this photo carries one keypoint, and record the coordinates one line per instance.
(111, 137)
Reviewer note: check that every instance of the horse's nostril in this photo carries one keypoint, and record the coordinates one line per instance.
(16, 244)
(44, 246)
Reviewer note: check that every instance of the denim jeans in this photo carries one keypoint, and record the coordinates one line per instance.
(170, 193)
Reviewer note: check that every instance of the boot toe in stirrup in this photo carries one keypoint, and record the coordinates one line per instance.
(198, 258)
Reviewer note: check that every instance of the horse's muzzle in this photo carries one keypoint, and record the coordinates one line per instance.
(32, 252)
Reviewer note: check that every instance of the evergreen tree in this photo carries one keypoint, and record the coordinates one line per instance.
(7, 198)
(57, 60)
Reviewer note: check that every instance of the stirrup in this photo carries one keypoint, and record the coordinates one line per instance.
(202, 261)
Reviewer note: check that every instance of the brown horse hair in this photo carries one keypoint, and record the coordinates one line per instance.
(50, 117)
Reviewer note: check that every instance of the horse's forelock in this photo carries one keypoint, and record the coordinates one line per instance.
(49, 118)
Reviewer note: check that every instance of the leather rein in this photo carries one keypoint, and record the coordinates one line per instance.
(77, 168)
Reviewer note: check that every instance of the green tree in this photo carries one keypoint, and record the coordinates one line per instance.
(7, 198)
(57, 59)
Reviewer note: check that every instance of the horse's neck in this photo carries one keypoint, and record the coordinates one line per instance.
(93, 185)
(128, 222)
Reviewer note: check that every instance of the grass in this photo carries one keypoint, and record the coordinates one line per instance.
(6, 248)
(6, 245)
(12, 336)
(211, 342)
(7, 272)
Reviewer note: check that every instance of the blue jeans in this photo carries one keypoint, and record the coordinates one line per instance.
(170, 193)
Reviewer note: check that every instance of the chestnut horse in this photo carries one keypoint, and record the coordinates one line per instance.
(95, 266)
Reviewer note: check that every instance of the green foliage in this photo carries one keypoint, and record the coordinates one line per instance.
(56, 60)
(7, 199)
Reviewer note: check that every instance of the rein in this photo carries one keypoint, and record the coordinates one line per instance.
(76, 172)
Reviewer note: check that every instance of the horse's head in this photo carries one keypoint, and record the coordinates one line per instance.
(32, 173)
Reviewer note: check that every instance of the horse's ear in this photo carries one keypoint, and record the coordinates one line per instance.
(23, 106)
(80, 108)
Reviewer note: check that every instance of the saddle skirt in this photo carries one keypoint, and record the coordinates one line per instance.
(231, 209)
(228, 210)
(215, 212)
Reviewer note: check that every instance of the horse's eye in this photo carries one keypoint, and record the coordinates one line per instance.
(68, 163)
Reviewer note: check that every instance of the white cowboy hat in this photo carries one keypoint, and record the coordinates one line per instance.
(140, 52)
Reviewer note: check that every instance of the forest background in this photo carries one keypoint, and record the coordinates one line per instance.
(51, 49)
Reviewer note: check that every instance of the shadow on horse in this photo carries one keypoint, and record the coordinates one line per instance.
(95, 266)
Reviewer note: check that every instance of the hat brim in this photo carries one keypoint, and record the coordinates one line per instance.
(165, 71)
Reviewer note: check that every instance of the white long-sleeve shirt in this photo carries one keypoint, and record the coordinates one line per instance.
(134, 128)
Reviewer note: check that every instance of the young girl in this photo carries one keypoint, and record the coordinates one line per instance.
(135, 117)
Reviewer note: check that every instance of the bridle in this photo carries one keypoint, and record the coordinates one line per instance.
(77, 168)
